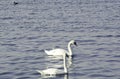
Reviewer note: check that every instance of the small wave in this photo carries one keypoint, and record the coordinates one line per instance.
(24, 78)
(77, 74)
(113, 61)
(92, 69)
(8, 44)
(117, 56)
(6, 18)
(87, 40)
(107, 36)
(5, 73)
(101, 75)
(19, 74)
(16, 59)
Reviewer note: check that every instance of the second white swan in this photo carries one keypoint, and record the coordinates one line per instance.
(60, 51)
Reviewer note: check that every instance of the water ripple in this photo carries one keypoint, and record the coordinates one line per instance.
(101, 75)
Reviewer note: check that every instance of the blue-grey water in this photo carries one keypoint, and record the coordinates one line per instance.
(27, 27)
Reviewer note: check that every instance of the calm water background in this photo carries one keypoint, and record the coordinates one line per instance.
(33, 25)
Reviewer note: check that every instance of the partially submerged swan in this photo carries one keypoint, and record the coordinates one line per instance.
(59, 51)
(55, 71)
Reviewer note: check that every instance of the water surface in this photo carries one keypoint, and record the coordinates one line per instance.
(33, 25)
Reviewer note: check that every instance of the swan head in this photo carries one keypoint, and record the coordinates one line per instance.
(73, 42)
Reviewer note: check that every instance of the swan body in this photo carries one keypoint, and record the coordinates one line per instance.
(60, 51)
(55, 71)
(57, 51)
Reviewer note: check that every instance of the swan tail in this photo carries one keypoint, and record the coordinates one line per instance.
(47, 52)
(39, 71)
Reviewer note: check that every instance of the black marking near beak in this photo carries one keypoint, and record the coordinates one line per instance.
(75, 43)
(67, 55)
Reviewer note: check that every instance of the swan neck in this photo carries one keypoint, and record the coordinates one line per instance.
(69, 49)
(65, 64)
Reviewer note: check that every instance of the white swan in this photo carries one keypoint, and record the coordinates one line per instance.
(55, 71)
(60, 51)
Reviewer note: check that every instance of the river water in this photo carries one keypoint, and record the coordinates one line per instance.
(27, 27)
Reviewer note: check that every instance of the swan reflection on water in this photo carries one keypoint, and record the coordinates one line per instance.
(57, 71)
(54, 58)
(69, 62)
(55, 76)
